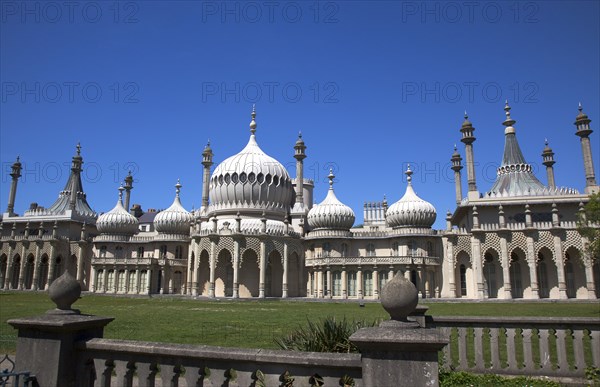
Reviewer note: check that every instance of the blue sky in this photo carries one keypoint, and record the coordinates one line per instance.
(372, 86)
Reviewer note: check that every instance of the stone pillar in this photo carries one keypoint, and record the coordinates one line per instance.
(127, 284)
(23, 265)
(582, 122)
(505, 267)
(589, 280)
(477, 268)
(359, 283)
(399, 349)
(532, 261)
(329, 283)
(149, 277)
(236, 268)
(263, 270)
(318, 285)
(46, 344)
(450, 272)
(456, 167)
(36, 267)
(344, 284)
(212, 268)
(93, 279)
(51, 263)
(284, 292)
(207, 156)
(9, 267)
(15, 174)
(560, 267)
(375, 283)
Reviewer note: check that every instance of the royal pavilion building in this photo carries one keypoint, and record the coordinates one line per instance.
(258, 234)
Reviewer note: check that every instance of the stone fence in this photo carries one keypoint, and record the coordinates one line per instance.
(103, 362)
(534, 346)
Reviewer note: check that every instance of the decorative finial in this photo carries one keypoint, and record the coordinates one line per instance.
(331, 176)
(18, 159)
(78, 149)
(178, 188)
(580, 108)
(455, 148)
(466, 115)
(546, 141)
(253, 122)
(508, 121)
(408, 174)
(299, 134)
(121, 189)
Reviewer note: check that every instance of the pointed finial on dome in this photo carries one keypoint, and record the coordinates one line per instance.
(121, 189)
(18, 159)
(331, 176)
(78, 149)
(177, 188)
(580, 108)
(408, 174)
(509, 121)
(253, 122)
(299, 134)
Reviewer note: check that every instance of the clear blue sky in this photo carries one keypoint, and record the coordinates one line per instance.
(372, 86)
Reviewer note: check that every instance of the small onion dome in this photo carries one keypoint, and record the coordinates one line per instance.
(175, 219)
(411, 210)
(331, 213)
(117, 221)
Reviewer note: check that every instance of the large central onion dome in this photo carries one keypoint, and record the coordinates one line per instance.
(175, 219)
(250, 182)
(117, 221)
(411, 210)
(331, 213)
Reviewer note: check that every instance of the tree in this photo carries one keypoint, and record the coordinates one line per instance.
(589, 225)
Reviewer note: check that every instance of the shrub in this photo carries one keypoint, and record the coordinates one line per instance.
(456, 379)
(325, 335)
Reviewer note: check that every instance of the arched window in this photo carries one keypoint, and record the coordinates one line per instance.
(178, 252)
(337, 283)
(463, 280)
(351, 284)
(394, 249)
(412, 248)
(430, 251)
(326, 249)
(344, 251)
(110, 282)
(121, 281)
(570, 278)
(143, 282)
(140, 252)
(382, 280)
(102, 251)
(370, 250)
(515, 277)
(489, 275)
(368, 283)
(163, 251)
(119, 252)
(542, 274)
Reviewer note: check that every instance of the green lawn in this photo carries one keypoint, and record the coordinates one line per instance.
(251, 324)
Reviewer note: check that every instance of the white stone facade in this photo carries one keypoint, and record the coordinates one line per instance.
(257, 234)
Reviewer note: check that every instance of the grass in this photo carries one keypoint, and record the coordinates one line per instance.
(249, 323)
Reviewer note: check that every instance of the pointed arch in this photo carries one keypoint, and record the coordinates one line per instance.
(492, 273)
(274, 275)
(520, 282)
(3, 269)
(575, 274)
(203, 273)
(16, 271)
(43, 275)
(224, 274)
(249, 274)
(547, 274)
(464, 276)
(29, 268)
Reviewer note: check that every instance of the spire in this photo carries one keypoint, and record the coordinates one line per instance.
(121, 189)
(253, 122)
(514, 176)
(72, 197)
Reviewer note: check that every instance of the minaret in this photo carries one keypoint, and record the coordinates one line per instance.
(299, 155)
(207, 162)
(582, 122)
(548, 161)
(15, 174)
(467, 130)
(128, 188)
(457, 167)
(76, 171)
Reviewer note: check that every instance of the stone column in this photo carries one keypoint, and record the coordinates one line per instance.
(149, 284)
(236, 268)
(105, 282)
(51, 263)
(560, 267)
(344, 284)
(93, 279)
(80, 261)
(589, 280)
(284, 293)
(22, 268)
(195, 268)
(505, 267)
(36, 267)
(532, 261)
(477, 268)
(9, 267)
(359, 283)
(212, 266)
(318, 286)
(375, 283)
(451, 268)
(190, 270)
(127, 284)
(263, 269)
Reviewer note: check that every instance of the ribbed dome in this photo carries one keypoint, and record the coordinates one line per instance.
(331, 213)
(175, 219)
(411, 210)
(117, 221)
(250, 182)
